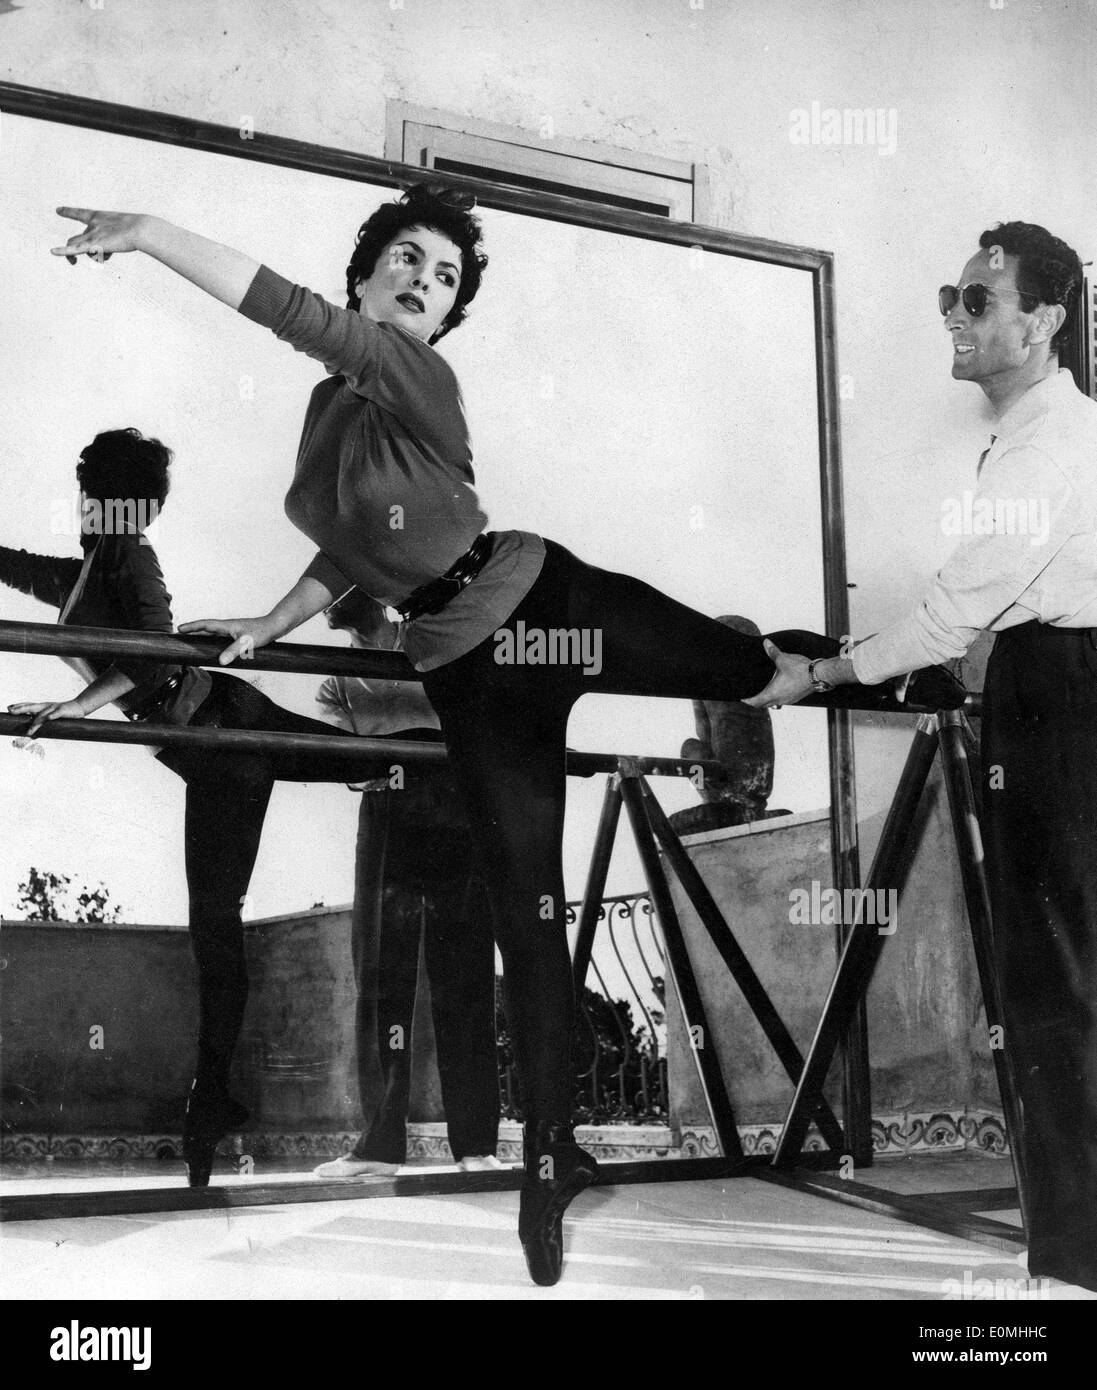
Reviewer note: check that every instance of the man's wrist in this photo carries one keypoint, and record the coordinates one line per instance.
(836, 670)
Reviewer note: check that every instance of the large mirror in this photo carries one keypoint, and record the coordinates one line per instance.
(652, 406)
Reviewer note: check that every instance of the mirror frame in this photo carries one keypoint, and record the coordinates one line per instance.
(68, 109)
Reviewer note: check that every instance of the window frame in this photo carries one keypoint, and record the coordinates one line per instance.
(419, 135)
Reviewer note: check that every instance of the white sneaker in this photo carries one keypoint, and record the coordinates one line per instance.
(480, 1163)
(350, 1167)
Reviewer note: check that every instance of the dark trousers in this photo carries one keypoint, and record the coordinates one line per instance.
(227, 797)
(505, 727)
(417, 883)
(1039, 754)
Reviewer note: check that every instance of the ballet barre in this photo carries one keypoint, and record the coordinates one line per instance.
(51, 639)
(659, 846)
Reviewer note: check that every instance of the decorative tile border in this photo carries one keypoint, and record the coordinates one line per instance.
(43, 1148)
(940, 1132)
(912, 1132)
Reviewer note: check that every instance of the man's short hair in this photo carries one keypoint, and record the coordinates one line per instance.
(1047, 268)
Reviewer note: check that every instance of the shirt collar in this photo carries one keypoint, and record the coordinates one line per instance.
(1053, 390)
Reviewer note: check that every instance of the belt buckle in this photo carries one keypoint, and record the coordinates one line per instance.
(437, 604)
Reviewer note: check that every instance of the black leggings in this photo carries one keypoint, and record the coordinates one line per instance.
(227, 797)
(505, 725)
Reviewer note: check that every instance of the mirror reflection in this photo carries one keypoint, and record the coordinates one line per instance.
(649, 408)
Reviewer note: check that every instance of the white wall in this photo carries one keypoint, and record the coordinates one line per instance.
(995, 114)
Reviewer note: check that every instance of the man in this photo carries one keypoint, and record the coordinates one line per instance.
(414, 881)
(1031, 578)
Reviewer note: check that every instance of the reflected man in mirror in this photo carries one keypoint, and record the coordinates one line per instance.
(415, 888)
(740, 739)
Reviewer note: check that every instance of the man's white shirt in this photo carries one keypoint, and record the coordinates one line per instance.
(1044, 457)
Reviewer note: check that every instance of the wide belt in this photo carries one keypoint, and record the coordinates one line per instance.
(433, 596)
(155, 702)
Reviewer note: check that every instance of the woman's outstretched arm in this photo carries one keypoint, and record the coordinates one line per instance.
(219, 270)
(110, 686)
(415, 383)
(47, 578)
(307, 598)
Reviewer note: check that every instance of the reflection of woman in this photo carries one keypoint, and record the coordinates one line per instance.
(123, 479)
(384, 487)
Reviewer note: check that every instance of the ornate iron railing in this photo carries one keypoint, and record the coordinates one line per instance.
(620, 1043)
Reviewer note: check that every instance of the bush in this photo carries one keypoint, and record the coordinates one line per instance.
(49, 897)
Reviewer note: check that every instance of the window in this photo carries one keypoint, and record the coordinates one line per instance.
(577, 169)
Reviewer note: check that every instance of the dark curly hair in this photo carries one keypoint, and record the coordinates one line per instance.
(1048, 270)
(445, 210)
(123, 465)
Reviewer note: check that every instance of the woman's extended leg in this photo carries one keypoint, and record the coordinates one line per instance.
(508, 763)
(649, 644)
(237, 704)
(505, 723)
(227, 798)
(505, 730)
(226, 805)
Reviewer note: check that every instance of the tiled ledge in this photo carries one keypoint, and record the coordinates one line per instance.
(930, 1131)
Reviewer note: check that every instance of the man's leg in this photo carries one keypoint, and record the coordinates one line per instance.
(1039, 748)
(385, 1139)
(460, 957)
(385, 929)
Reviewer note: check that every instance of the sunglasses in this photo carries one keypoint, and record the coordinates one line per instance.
(356, 610)
(339, 606)
(974, 298)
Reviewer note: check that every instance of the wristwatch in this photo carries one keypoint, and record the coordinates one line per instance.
(818, 685)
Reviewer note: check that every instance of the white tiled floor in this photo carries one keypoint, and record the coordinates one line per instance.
(742, 1239)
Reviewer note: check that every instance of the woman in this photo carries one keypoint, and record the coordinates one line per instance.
(124, 480)
(385, 439)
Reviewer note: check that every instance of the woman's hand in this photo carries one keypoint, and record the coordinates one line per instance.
(103, 235)
(788, 684)
(248, 633)
(44, 710)
(219, 270)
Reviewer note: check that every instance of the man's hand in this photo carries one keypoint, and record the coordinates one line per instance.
(248, 633)
(789, 682)
(103, 235)
(44, 710)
